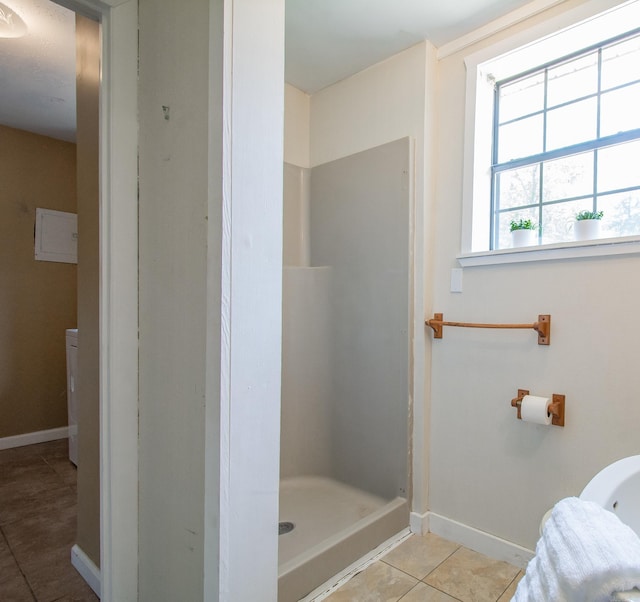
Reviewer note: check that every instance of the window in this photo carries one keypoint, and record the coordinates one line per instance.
(566, 138)
(552, 128)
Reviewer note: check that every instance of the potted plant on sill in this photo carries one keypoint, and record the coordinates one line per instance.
(587, 226)
(524, 233)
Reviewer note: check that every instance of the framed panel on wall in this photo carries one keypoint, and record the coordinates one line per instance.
(56, 236)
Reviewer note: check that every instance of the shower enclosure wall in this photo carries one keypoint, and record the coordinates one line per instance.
(345, 365)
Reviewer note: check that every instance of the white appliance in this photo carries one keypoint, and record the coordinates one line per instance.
(72, 396)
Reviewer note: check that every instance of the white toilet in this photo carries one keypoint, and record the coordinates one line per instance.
(617, 489)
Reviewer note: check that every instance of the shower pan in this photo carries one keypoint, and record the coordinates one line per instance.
(345, 363)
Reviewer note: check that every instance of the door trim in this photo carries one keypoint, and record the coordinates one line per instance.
(118, 295)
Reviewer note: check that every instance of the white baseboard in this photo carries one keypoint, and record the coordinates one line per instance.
(37, 437)
(477, 540)
(87, 569)
(419, 523)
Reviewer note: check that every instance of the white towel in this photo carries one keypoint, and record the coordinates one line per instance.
(585, 554)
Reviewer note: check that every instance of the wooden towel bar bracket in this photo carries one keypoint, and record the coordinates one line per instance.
(542, 326)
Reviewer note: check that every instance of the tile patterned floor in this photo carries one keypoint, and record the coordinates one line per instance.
(38, 526)
(431, 569)
(38, 523)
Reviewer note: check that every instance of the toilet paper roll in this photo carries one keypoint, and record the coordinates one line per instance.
(535, 409)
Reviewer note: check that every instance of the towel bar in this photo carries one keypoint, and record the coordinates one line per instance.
(542, 326)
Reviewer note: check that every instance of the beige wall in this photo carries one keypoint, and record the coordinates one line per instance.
(385, 102)
(38, 298)
(297, 107)
(474, 462)
(489, 470)
(87, 93)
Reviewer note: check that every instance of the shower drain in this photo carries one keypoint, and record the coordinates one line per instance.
(285, 527)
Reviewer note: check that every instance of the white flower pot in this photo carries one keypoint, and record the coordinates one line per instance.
(524, 238)
(586, 229)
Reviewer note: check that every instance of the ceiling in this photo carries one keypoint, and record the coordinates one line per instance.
(37, 71)
(326, 41)
(329, 40)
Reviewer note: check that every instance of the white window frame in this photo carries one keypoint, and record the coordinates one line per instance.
(476, 212)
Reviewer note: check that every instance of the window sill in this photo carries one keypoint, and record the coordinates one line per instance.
(629, 245)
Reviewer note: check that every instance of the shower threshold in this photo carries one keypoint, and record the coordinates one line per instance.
(335, 525)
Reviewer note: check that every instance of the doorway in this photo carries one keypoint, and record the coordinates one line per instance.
(118, 289)
(116, 292)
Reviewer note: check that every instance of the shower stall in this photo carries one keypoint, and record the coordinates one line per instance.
(345, 365)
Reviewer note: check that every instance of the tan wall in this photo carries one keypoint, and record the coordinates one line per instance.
(87, 95)
(37, 298)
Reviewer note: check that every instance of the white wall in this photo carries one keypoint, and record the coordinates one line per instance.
(209, 343)
(297, 107)
(380, 104)
(489, 470)
(388, 101)
(173, 276)
(296, 199)
(306, 434)
(360, 227)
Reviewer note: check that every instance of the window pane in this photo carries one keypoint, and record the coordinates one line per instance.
(522, 97)
(503, 231)
(621, 63)
(558, 124)
(518, 187)
(520, 138)
(620, 110)
(572, 80)
(568, 177)
(621, 213)
(558, 219)
(571, 124)
(618, 166)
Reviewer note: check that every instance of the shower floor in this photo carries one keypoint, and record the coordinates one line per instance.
(335, 524)
(320, 508)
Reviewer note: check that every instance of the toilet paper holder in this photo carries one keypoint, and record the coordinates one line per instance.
(556, 407)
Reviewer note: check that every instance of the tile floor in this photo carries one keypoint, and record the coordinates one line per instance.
(429, 568)
(38, 525)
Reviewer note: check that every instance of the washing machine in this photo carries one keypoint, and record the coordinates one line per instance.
(72, 397)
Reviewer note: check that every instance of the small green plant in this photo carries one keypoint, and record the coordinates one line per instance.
(522, 224)
(589, 215)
